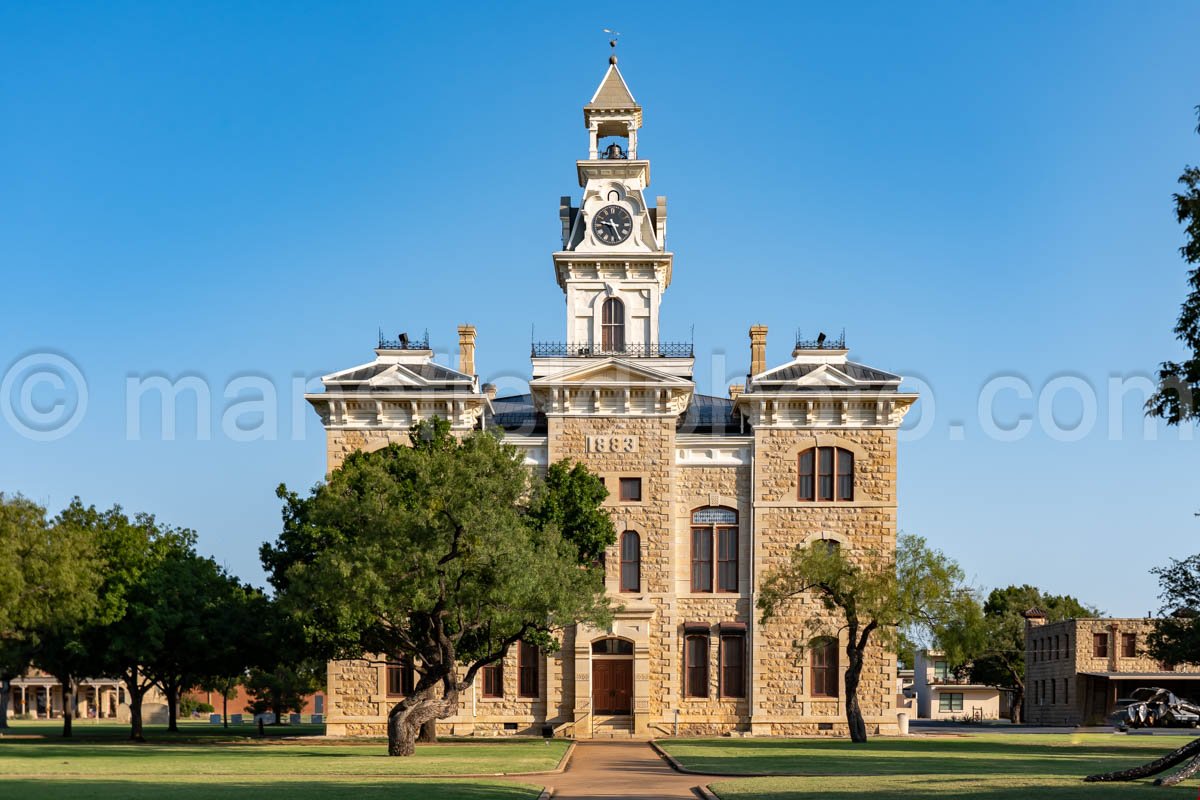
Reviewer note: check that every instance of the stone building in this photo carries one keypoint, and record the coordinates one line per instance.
(1077, 669)
(707, 493)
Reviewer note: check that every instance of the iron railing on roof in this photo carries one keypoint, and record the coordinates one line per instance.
(403, 342)
(822, 342)
(659, 350)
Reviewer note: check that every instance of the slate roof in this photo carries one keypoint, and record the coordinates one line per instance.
(516, 414)
(710, 414)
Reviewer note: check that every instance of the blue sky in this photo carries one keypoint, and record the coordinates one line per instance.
(971, 190)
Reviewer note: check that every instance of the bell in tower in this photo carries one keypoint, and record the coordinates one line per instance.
(614, 151)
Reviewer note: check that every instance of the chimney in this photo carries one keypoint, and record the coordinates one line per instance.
(735, 390)
(489, 389)
(466, 349)
(758, 349)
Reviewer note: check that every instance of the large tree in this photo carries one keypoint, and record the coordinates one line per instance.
(1179, 381)
(433, 554)
(988, 639)
(114, 640)
(866, 594)
(183, 604)
(48, 582)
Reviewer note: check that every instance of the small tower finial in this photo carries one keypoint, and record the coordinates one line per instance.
(612, 59)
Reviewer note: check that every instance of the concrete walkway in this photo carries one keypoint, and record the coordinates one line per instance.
(628, 770)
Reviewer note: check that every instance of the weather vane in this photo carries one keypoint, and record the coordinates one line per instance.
(613, 44)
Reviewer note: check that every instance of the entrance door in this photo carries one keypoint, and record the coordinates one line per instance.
(612, 686)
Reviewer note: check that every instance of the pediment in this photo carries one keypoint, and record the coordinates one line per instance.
(824, 376)
(397, 376)
(613, 372)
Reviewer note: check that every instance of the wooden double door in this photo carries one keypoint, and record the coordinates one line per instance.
(612, 686)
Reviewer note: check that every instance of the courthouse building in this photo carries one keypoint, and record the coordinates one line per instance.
(707, 493)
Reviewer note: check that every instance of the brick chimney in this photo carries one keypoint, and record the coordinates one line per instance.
(758, 349)
(735, 390)
(466, 349)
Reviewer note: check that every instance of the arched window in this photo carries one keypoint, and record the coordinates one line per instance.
(824, 659)
(714, 530)
(612, 647)
(631, 562)
(612, 326)
(827, 474)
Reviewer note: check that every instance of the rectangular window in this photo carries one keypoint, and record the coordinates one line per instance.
(631, 562)
(807, 480)
(727, 559)
(493, 680)
(631, 490)
(825, 668)
(733, 673)
(950, 701)
(1128, 645)
(401, 679)
(697, 666)
(1053, 692)
(1066, 691)
(940, 670)
(1100, 645)
(1056, 650)
(845, 475)
(527, 666)
(825, 473)
(702, 573)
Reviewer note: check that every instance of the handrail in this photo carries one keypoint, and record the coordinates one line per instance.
(571, 723)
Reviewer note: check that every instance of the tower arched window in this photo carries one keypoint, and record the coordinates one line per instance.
(631, 562)
(612, 326)
(826, 474)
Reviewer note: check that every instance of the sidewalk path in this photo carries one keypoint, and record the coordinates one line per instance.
(627, 770)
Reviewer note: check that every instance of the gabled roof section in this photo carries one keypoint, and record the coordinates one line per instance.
(386, 374)
(613, 93)
(798, 375)
(614, 371)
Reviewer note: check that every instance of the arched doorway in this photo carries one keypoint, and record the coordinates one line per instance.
(612, 676)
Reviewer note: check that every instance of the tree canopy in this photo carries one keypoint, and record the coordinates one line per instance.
(1179, 381)
(867, 593)
(987, 641)
(1176, 635)
(443, 554)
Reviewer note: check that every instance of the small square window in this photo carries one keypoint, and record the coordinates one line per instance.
(631, 490)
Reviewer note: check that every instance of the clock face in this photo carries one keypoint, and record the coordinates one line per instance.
(612, 225)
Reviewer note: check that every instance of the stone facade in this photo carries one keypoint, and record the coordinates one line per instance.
(685, 472)
(1077, 669)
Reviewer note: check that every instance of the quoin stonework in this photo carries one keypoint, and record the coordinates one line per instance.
(707, 493)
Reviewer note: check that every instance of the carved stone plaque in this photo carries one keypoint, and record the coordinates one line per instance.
(614, 443)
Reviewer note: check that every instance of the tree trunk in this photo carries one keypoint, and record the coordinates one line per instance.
(172, 693)
(854, 717)
(68, 701)
(136, 693)
(5, 694)
(225, 710)
(408, 716)
(1018, 703)
(428, 733)
(1189, 750)
(1182, 775)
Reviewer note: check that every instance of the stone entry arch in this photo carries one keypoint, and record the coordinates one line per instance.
(631, 628)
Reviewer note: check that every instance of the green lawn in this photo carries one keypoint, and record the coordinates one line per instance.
(987, 767)
(203, 761)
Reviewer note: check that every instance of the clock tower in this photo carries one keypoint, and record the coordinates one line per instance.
(614, 264)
